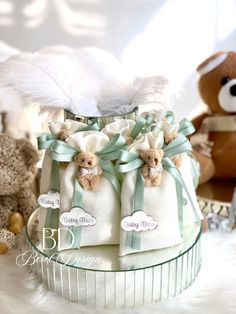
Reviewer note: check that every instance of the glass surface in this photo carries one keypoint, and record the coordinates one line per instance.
(98, 277)
(106, 257)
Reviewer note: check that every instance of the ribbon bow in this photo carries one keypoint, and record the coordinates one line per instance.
(84, 171)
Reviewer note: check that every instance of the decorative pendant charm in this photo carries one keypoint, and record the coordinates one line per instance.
(152, 169)
(138, 221)
(89, 170)
(50, 200)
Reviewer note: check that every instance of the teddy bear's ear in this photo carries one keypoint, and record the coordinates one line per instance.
(29, 153)
(161, 153)
(142, 153)
(212, 62)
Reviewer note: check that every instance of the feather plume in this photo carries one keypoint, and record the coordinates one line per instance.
(118, 97)
(10, 100)
(86, 81)
(61, 77)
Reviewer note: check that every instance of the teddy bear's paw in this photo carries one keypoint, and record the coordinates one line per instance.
(156, 181)
(148, 183)
(7, 240)
(94, 183)
(84, 182)
(16, 223)
(177, 160)
(64, 134)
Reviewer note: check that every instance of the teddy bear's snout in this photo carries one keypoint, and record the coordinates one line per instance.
(156, 161)
(89, 163)
(232, 90)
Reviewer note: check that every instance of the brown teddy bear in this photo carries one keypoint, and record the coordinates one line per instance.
(18, 160)
(215, 143)
(152, 169)
(89, 170)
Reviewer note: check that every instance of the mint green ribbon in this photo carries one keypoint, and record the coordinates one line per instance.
(137, 129)
(133, 239)
(186, 127)
(131, 161)
(178, 146)
(77, 201)
(169, 115)
(112, 149)
(92, 126)
(45, 141)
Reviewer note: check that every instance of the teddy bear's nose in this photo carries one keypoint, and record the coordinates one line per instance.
(90, 163)
(233, 90)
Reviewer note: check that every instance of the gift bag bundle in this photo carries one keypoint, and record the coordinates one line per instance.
(132, 183)
(53, 170)
(90, 189)
(155, 195)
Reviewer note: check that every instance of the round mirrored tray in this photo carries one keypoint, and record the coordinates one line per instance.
(98, 277)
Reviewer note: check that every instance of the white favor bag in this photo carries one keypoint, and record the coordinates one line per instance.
(160, 203)
(190, 214)
(191, 211)
(103, 204)
(55, 129)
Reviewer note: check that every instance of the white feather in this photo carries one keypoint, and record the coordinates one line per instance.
(118, 97)
(61, 77)
(10, 100)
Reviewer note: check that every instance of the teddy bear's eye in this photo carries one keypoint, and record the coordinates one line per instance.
(225, 80)
(82, 160)
(156, 160)
(149, 158)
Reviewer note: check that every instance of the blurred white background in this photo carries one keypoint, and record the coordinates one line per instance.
(148, 36)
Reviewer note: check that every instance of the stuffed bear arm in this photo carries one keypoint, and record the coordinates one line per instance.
(26, 202)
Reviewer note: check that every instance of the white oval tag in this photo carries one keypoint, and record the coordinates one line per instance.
(138, 221)
(50, 200)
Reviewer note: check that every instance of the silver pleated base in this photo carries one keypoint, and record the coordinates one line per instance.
(118, 286)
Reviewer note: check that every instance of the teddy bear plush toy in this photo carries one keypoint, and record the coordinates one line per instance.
(215, 141)
(152, 169)
(18, 160)
(89, 170)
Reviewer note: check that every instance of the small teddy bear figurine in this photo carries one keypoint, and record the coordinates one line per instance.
(152, 169)
(64, 133)
(169, 137)
(89, 170)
